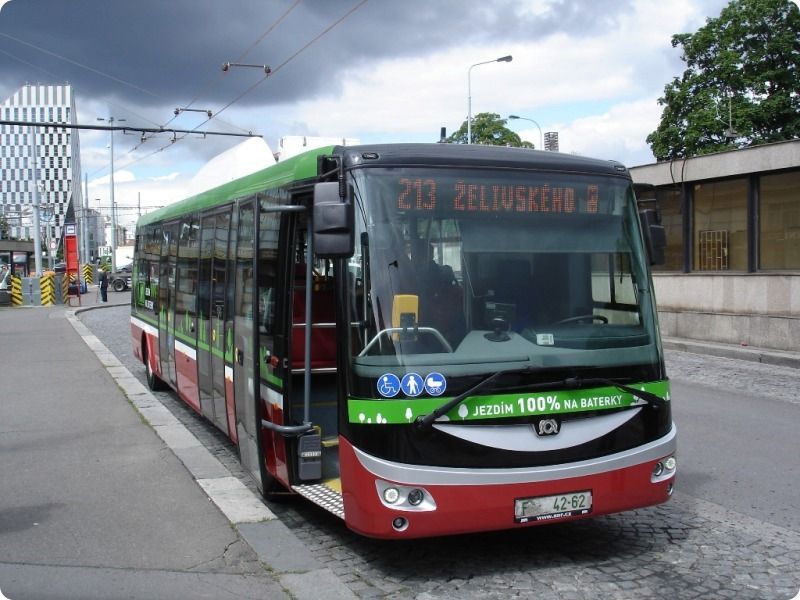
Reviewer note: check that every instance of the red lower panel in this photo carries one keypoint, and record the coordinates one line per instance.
(230, 407)
(274, 444)
(471, 508)
(136, 336)
(186, 371)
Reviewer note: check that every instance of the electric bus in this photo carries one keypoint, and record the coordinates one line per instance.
(423, 339)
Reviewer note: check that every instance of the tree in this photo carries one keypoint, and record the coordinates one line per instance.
(740, 86)
(488, 128)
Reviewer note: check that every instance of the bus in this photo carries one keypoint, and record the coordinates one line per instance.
(422, 339)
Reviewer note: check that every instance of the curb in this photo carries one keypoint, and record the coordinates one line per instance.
(760, 355)
(291, 564)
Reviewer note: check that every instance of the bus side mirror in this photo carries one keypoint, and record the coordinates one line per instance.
(655, 237)
(334, 222)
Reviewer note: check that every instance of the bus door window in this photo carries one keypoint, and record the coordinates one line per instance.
(166, 298)
(206, 255)
(219, 311)
(248, 415)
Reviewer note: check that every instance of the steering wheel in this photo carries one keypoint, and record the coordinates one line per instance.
(579, 318)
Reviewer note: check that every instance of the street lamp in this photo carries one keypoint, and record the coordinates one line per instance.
(541, 137)
(469, 91)
(111, 121)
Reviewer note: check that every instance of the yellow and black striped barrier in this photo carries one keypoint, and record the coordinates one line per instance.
(47, 285)
(64, 287)
(16, 291)
(88, 273)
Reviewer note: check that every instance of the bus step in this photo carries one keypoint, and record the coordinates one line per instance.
(327, 494)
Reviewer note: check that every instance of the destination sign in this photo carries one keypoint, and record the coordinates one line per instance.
(430, 194)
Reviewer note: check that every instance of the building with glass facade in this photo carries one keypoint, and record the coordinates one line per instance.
(732, 220)
(45, 156)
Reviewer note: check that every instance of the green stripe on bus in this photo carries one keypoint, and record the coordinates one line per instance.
(499, 406)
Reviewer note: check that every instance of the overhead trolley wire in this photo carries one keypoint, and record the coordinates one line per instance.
(272, 72)
(237, 59)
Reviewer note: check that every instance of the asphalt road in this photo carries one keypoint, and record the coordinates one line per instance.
(731, 530)
(740, 450)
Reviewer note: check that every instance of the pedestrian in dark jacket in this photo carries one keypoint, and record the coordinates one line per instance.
(104, 285)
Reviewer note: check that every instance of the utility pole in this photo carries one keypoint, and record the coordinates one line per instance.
(111, 121)
(37, 238)
(84, 220)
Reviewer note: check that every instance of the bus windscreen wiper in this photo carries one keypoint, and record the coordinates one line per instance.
(424, 422)
(652, 399)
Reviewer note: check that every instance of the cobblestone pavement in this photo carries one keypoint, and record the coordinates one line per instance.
(688, 548)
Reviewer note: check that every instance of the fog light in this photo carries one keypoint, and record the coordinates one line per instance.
(658, 469)
(670, 488)
(670, 463)
(399, 523)
(415, 497)
(391, 495)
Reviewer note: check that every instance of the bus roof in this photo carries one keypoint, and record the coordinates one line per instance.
(475, 155)
(298, 168)
(303, 167)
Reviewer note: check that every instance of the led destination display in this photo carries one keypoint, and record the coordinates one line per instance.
(430, 194)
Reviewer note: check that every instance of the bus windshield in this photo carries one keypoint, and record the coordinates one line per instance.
(473, 271)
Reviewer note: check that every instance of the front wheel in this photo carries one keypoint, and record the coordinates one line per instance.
(154, 382)
(118, 285)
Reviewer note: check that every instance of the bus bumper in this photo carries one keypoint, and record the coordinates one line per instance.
(459, 500)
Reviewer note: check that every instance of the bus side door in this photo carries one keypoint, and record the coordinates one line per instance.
(166, 302)
(244, 356)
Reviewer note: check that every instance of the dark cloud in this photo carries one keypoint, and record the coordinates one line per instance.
(159, 53)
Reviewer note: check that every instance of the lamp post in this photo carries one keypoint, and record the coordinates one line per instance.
(469, 91)
(111, 121)
(541, 137)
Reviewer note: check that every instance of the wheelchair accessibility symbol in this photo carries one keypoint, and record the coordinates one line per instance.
(388, 385)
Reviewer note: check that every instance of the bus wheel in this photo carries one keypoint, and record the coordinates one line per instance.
(153, 380)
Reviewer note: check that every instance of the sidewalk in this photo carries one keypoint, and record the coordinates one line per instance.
(106, 495)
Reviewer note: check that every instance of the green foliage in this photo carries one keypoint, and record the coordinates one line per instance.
(744, 63)
(4, 228)
(488, 128)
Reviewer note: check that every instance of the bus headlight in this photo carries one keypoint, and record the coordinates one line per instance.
(415, 497)
(401, 497)
(663, 469)
(391, 495)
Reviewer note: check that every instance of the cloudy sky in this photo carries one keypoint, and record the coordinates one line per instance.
(374, 70)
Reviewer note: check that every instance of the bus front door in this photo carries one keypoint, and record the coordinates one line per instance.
(244, 380)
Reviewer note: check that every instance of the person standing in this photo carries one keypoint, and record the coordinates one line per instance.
(104, 285)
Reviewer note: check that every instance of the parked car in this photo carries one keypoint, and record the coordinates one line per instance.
(119, 281)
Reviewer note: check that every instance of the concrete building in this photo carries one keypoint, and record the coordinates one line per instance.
(733, 245)
(95, 232)
(57, 160)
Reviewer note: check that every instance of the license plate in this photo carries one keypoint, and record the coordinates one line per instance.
(545, 508)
